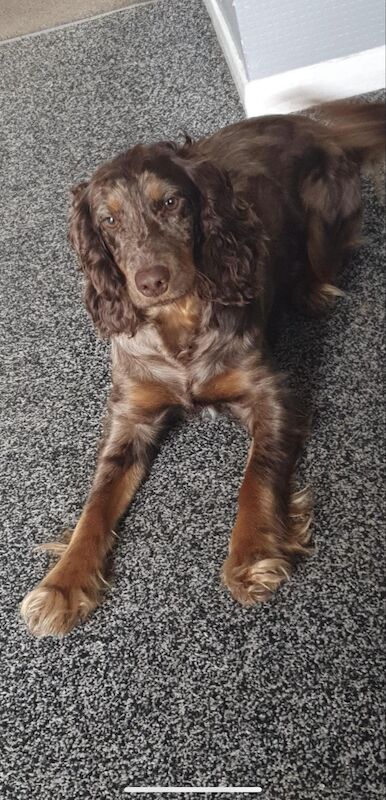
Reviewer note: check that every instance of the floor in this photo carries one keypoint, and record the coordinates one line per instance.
(20, 17)
(170, 682)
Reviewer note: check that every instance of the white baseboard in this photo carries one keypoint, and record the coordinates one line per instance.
(299, 88)
(329, 80)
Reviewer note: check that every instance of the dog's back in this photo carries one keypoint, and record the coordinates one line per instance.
(273, 142)
(301, 176)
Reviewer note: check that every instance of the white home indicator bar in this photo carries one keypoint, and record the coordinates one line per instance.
(193, 789)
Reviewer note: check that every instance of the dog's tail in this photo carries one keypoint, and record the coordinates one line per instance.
(357, 127)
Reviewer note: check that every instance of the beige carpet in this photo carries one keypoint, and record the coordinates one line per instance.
(18, 17)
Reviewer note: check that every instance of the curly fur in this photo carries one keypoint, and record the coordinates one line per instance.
(231, 239)
(105, 294)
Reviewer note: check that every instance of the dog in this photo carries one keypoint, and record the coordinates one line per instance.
(188, 250)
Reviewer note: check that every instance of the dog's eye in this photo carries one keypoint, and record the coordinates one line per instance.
(170, 203)
(110, 221)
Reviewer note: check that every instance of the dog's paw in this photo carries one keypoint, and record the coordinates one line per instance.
(51, 610)
(254, 581)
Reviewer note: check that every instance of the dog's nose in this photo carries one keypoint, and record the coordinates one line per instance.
(152, 281)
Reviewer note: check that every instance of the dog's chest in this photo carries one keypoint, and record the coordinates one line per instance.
(180, 349)
(178, 328)
(194, 358)
(183, 362)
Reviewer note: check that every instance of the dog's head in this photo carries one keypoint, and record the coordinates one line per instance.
(154, 224)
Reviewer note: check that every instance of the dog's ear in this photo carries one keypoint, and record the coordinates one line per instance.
(231, 242)
(106, 297)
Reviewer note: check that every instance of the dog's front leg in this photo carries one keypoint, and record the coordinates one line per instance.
(273, 521)
(73, 587)
(272, 524)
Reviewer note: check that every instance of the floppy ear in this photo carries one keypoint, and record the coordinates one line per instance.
(231, 238)
(105, 293)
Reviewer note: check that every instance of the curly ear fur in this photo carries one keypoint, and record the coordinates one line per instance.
(231, 245)
(105, 293)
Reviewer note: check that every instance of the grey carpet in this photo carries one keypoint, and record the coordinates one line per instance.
(170, 682)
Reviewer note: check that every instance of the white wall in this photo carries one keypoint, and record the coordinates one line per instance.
(279, 35)
(281, 52)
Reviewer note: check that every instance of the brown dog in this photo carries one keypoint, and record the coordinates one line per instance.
(186, 252)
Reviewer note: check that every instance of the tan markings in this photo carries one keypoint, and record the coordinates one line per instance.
(255, 582)
(114, 204)
(256, 564)
(154, 188)
(150, 396)
(72, 588)
(322, 296)
(254, 493)
(178, 323)
(261, 550)
(300, 519)
(184, 312)
(228, 386)
(90, 540)
(256, 526)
